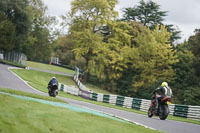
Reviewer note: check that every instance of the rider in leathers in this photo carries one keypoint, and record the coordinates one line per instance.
(53, 84)
(164, 90)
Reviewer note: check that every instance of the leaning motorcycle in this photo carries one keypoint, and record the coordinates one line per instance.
(53, 91)
(163, 108)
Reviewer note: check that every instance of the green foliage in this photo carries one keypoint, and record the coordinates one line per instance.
(149, 14)
(39, 45)
(7, 33)
(87, 19)
(195, 48)
(187, 71)
(16, 23)
(184, 71)
(156, 58)
(63, 50)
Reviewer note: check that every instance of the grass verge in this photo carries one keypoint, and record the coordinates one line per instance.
(17, 115)
(12, 63)
(60, 69)
(49, 67)
(39, 81)
(16, 92)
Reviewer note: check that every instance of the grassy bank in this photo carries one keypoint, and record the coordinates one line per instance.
(40, 80)
(49, 67)
(30, 95)
(19, 116)
(60, 69)
(12, 63)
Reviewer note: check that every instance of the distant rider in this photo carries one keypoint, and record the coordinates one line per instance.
(53, 84)
(164, 90)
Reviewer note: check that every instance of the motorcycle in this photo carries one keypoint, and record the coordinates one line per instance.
(163, 109)
(53, 91)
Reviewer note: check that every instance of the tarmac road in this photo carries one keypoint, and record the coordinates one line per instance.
(10, 80)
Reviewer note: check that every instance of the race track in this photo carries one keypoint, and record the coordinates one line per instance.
(10, 80)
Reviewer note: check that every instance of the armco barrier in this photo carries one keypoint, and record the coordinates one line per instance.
(68, 89)
(144, 106)
(136, 103)
(113, 99)
(120, 100)
(186, 111)
(106, 98)
(84, 94)
(194, 112)
(94, 96)
(100, 97)
(128, 102)
(181, 110)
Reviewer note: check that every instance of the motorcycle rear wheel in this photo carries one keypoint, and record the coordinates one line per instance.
(54, 93)
(164, 113)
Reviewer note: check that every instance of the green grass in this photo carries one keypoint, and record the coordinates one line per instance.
(19, 116)
(16, 92)
(39, 80)
(12, 63)
(96, 89)
(60, 69)
(49, 67)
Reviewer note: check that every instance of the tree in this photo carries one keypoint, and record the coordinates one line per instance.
(150, 15)
(7, 33)
(87, 19)
(18, 20)
(147, 13)
(184, 72)
(39, 45)
(156, 58)
(195, 48)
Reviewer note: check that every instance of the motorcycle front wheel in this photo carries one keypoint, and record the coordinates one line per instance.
(150, 114)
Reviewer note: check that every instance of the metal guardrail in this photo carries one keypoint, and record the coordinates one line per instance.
(186, 111)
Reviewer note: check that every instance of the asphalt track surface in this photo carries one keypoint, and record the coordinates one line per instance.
(11, 80)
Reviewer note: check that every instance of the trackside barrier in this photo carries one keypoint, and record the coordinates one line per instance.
(94, 96)
(181, 110)
(136, 103)
(171, 108)
(106, 98)
(194, 112)
(144, 106)
(68, 89)
(186, 111)
(128, 102)
(113, 99)
(85, 94)
(100, 97)
(120, 100)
